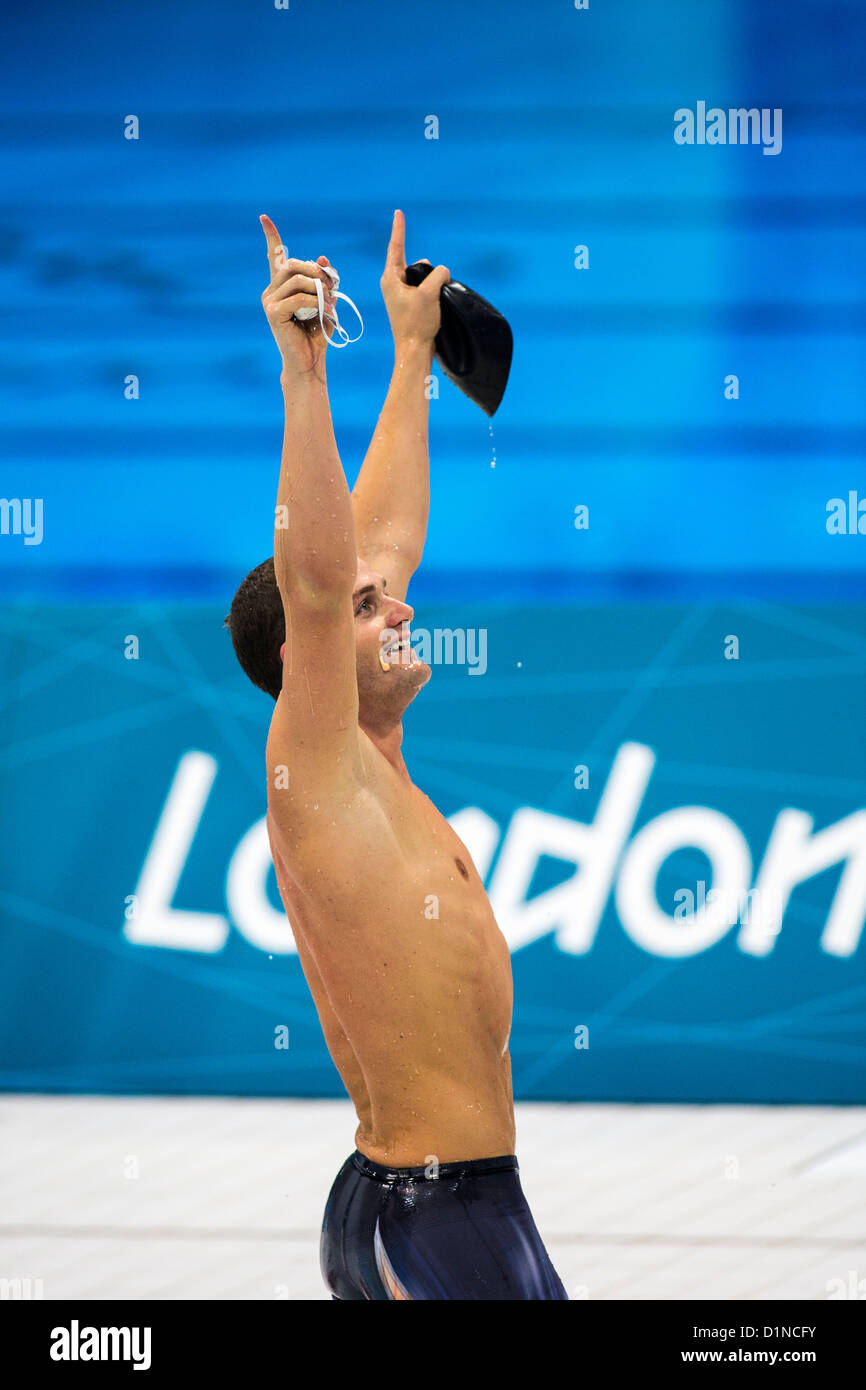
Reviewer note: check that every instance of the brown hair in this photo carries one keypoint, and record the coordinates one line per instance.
(257, 625)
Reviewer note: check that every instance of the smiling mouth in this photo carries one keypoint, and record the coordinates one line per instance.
(396, 653)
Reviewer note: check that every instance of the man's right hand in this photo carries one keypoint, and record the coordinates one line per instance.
(302, 345)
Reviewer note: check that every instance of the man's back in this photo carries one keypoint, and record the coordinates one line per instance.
(384, 897)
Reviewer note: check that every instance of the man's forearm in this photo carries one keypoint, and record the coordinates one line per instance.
(314, 542)
(391, 498)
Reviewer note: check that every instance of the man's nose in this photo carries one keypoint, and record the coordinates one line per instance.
(400, 613)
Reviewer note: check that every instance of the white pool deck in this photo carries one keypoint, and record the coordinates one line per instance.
(189, 1198)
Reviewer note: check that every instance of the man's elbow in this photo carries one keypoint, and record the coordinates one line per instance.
(316, 570)
(314, 586)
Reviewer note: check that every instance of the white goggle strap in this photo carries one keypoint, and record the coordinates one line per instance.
(345, 340)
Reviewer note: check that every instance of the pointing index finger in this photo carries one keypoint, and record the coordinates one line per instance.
(277, 254)
(396, 247)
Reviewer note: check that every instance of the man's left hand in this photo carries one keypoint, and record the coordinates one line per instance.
(413, 310)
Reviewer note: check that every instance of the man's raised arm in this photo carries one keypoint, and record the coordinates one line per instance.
(315, 726)
(391, 497)
(314, 543)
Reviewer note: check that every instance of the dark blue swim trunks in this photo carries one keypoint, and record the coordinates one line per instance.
(464, 1232)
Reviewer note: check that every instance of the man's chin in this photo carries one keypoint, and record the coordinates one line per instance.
(414, 674)
(418, 672)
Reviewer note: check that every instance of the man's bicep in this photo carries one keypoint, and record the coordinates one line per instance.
(314, 731)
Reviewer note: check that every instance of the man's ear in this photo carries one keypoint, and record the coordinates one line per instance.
(282, 649)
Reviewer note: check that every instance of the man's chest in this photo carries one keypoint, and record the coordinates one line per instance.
(390, 838)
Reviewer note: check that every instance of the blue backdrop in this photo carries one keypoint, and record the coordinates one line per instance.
(697, 387)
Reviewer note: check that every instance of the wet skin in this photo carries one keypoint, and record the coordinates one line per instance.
(409, 971)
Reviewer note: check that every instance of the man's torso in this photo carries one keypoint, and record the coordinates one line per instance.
(409, 971)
